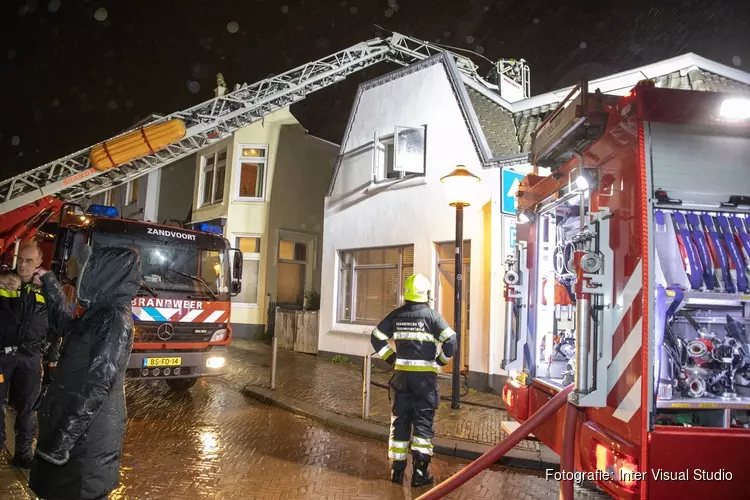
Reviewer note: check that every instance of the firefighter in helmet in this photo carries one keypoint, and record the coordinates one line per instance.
(418, 331)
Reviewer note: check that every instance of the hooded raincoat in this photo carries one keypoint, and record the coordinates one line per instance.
(82, 416)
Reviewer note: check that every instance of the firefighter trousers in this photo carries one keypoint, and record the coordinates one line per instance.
(21, 382)
(415, 398)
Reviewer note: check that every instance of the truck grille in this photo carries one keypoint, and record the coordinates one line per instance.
(174, 332)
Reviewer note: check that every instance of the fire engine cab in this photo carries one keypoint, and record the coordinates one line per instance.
(631, 281)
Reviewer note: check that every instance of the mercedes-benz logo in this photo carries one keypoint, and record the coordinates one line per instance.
(165, 331)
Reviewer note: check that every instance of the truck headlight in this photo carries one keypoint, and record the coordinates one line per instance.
(219, 335)
(216, 362)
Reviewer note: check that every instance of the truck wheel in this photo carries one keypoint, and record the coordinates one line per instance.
(181, 384)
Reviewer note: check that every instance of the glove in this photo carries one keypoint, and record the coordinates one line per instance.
(59, 458)
(10, 281)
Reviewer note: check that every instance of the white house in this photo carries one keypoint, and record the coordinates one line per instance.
(387, 214)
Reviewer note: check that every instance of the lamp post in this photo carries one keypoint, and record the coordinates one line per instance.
(460, 184)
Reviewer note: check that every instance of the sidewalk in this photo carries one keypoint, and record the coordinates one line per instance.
(332, 393)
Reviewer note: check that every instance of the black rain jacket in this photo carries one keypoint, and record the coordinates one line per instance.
(82, 416)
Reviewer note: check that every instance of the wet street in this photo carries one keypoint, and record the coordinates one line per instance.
(214, 443)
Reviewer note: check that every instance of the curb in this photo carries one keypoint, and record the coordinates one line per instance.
(537, 460)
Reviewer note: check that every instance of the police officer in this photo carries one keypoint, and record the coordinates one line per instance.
(23, 336)
(418, 331)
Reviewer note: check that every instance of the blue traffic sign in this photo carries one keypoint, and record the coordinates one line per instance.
(509, 184)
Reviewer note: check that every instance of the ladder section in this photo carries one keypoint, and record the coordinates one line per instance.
(73, 176)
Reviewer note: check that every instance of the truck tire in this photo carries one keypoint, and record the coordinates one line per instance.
(181, 384)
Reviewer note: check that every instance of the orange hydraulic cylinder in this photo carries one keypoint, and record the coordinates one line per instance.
(136, 144)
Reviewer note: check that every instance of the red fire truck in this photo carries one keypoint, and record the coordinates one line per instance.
(182, 311)
(630, 280)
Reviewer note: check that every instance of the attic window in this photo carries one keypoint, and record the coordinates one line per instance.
(401, 154)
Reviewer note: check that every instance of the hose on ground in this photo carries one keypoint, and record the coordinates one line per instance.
(567, 460)
(490, 457)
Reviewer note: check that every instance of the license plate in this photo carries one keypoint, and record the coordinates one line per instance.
(150, 362)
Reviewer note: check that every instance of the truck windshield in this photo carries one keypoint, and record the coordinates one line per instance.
(176, 270)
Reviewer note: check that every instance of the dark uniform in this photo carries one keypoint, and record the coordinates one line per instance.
(24, 336)
(417, 331)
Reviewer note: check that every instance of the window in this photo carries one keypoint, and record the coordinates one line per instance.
(108, 198)
(370, 282)
(131, 192)
(401, 154)
(250, 248)
(292, 272)
(251, 171)
(213, 169)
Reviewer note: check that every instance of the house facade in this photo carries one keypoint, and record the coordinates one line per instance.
(266, 186)
(387, 214)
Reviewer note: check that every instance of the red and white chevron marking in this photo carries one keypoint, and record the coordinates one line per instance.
(624, 373)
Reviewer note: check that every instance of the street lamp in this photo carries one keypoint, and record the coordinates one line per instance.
(460, 185)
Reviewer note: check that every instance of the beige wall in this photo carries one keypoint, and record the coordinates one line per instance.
(298, 170)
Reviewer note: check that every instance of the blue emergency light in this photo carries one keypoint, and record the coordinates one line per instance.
(209, 228)
(103, 211)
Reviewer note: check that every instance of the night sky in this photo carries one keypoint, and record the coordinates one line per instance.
(73, 73)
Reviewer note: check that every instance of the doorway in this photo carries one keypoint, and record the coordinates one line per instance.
(446, 266)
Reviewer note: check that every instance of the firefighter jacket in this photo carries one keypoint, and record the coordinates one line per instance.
(417, 331)
(24, 324)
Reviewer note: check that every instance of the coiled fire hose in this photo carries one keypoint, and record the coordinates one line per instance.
(500, 449)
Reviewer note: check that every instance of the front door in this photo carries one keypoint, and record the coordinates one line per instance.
(446, 297)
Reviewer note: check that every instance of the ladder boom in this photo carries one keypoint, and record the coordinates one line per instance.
(72, 177)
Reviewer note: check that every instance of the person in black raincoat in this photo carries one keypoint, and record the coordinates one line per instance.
(82, 415)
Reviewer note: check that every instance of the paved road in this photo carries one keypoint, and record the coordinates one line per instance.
(213, 443)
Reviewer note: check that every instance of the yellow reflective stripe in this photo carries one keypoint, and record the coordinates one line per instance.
(379, 335)
(14, 294)
(385, 352)
(424, 450)
(421, 441)
(418, 336)
(416, 365)
(443, 359)
(446, 334)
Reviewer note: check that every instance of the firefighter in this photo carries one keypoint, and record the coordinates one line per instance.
(417, 331)
(24, 334)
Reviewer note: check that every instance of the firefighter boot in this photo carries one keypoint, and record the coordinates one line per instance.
(397, 476)
(421, 476)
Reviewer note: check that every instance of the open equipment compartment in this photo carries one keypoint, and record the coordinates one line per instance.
(702, 365)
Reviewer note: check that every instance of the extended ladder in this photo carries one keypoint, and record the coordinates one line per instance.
(72, 177)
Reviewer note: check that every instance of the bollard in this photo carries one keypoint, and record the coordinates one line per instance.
(273, 362)
(367, 371)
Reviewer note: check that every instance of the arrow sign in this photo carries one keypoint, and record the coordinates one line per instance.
(510, 181)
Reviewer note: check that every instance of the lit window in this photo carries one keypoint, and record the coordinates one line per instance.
(250, 248)
(251, 165)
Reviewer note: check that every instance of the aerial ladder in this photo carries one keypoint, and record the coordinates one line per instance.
(33, 197)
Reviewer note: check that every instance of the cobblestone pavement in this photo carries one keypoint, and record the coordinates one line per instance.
(338, 387)
(213, 443)
(11, 480)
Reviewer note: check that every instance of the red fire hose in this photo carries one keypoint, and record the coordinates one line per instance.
(493, 455)
(567, 460)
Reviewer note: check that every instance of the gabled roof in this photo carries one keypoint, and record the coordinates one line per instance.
(480, 112)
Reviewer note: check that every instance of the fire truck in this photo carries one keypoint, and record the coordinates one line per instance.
(182, 310)
(630, 282)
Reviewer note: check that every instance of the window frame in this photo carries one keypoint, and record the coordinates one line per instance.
(248, 256)
(214, 168)
(129, 191)
(238, 160)
(353, 268)
(380, 150)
